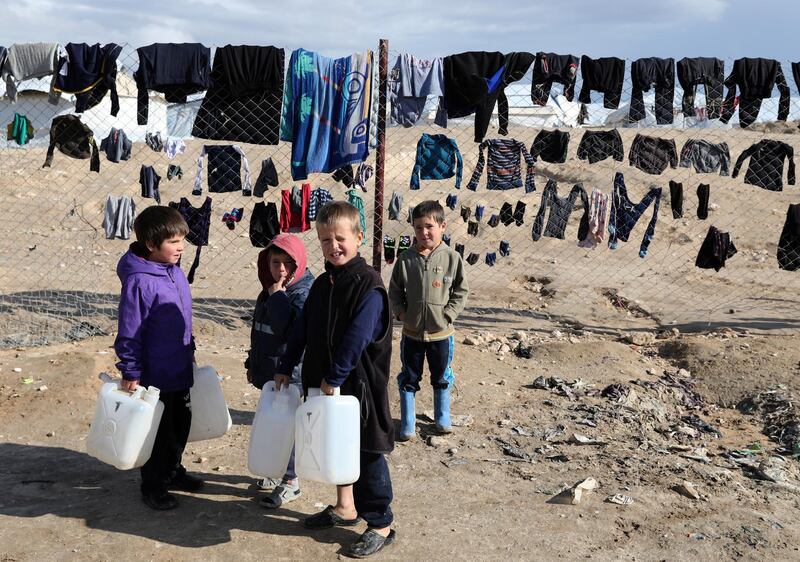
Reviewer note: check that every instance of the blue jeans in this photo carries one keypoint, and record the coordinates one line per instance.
(372, 491)
(412, 356)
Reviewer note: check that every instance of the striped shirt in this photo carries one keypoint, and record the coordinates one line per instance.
(504, 166)
(319, 198)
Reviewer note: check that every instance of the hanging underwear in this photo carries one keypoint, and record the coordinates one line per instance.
(199, 221)
(625, 215)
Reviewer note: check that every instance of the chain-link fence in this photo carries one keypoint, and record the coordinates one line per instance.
(57, 267)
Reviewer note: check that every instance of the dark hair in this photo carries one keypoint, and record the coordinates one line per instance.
(158, 223)
(278, 251)
(335, 211)
(432, 209)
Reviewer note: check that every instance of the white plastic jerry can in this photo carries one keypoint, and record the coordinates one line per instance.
(210, 415)
(272, 433)
(125, 424)
(328, 438)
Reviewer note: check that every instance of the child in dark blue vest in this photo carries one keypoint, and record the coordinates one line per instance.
(346, 331)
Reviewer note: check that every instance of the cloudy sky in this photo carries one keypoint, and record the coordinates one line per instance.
(624, 28)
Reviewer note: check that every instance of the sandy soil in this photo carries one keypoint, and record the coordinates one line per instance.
(461, 497)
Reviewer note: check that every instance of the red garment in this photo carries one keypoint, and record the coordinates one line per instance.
(290, 244)
(295, 220)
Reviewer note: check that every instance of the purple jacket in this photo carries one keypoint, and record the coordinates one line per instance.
(154, 341)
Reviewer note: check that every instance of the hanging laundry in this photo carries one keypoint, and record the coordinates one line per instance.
(474, 82)
(73, 138)
(460, 249)
(493, 221)
(25, 61)
(243, 103)
(479, 210)
(355, 200)
(264, 225)
(715, 250)
(395, 205)
(676, 199)
(294, 209)
(117, 146)
(703, 196)
(224, 170)
(755, 78)
(549, 68)
(505, 248)
(118, 217)
(706, 157)
(3, 57)
(153, 140)
(795, 73)
(199, 221)
(89, 72)
(625, 214)
(466, 213)
(506, 214)
(658, 74)
(174, 171)
(596, 146)
(319, 198)
(560, 211)
(652, 155)
(326, 111)
(230, 219)
(551, 146)
(411, 81)
(20, 130)
(174, 146)
(437, 158)
(177, 70)
(363, 174)
(789, 242)
(451, 201)
(491, 259)
(267, 177)
(708, 72)
(596, 226)
(504, 171)
(766, 164)
(604, 75)
(519, 213)
(472, 258)
(149, 180)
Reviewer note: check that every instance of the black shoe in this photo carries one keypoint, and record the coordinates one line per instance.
(186, 483)
(369, 543)
(326, 519)
(160, 501)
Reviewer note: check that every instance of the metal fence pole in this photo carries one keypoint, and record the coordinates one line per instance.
(380, 156)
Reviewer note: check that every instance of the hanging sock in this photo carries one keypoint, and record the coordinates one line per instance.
(466, 212)
(505, 248)
(519, 213)
(491, 259)
(446, 239)
(676, 199)
(405, 244)
(174, 171)
(494, 220)
(472, 259)
(703, 195)
(460, 249)
(472, 228)
(451, 201)
(389, 248)
(479, 209)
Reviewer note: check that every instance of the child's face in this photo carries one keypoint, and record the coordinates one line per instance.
(428, 233)
(339, 242)
(169, 252)
(282, 268)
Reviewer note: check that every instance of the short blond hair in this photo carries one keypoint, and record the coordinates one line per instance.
(336, 211)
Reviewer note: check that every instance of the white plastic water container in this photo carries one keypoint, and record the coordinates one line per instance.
(210, 415)
(125, 424)
(272, 433)
(328, 438)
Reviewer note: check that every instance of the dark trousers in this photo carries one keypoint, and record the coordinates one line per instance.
(412, 356)
(659, 74)
(173, 431)
(372, 491)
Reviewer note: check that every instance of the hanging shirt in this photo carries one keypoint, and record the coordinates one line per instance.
(199, 221)
(504, 166)
(73, 138)
(89, 72)
(706, 157)
(294, 209)
(264, 225)
(118, 218)
(326, 111)
(149, 180)
(789, 242)
(652, 155)
(596, 146)
(766, 164)
(25, 61)
(437, 158)
(715, 250)
(755, 78)
(551, 146)
(560, 211)
(412, 80)
(117, 146)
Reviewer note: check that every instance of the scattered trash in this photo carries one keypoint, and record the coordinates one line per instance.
(461, 420)
(687, 489)
(559, 386)
(620, 499)
(26, 380)
(42, 388)
(450, 463)
(200, 460)
(588, 485)
(51, 433)
(699, 454)
(617, 392)
(696, 422)
(580, 439)
(523, 351)
(520, 431)
(771, 469)
(17, 369)
(780, 417)
(558, 458)
(697, 536)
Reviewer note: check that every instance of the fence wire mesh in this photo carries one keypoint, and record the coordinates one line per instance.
(57, 267)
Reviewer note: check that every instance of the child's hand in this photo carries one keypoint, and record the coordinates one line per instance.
(326, 388)
(130, 386)
(281, 381)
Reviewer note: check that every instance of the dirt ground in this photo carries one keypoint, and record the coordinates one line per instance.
(498, 488)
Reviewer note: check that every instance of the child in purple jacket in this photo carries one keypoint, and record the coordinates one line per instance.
(155, 345)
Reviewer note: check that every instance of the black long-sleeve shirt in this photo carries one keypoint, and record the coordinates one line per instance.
(766, 164)
(755, 78)
(653, 154)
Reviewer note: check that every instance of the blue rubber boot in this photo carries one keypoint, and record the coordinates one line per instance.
(441, 409)
(408, 416)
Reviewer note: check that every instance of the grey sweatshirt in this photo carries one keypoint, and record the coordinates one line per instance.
(30, 60)
(118, 217)
(706, 157)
